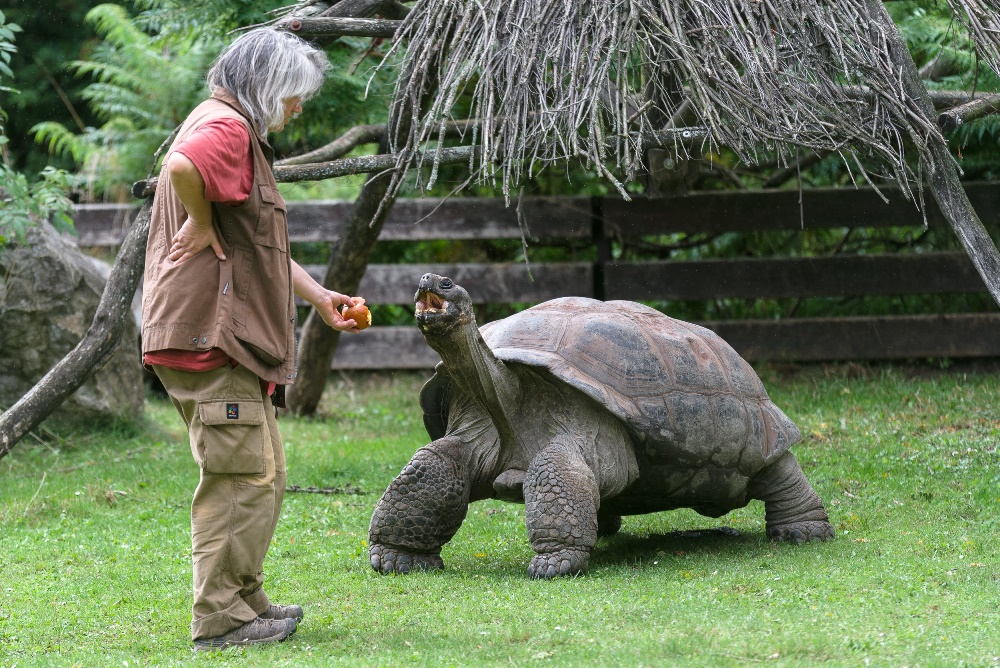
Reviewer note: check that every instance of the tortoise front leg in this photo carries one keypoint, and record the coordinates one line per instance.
(561, 499)
(420, 511)
(793, 510)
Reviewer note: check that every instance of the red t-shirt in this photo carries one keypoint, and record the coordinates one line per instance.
(220, 149)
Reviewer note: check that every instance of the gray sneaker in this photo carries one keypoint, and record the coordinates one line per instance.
(260, 631)
(283, 612)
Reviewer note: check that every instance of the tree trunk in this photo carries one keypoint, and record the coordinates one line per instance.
(942, 176)
(348, 261)
(100, 340)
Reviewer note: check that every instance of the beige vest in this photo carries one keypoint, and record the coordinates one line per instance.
(244, 305)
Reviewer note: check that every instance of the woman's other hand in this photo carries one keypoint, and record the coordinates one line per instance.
(197, 232)
(191, 239)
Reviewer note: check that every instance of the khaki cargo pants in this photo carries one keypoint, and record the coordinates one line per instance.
(234, 438)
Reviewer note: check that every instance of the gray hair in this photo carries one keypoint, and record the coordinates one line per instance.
(264, 67)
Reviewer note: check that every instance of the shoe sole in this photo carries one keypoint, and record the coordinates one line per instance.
(215, 644)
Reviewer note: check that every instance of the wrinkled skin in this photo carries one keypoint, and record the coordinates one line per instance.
(518, 433)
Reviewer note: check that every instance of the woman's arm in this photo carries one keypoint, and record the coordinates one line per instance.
(324, 301)
(197, 233)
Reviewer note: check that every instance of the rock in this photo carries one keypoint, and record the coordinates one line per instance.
(49, 291)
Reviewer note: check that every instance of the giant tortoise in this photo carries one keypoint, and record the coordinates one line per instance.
(585, 411)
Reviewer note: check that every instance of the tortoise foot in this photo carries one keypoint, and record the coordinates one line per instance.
(801, 532)
(553, 564)
(390, 560)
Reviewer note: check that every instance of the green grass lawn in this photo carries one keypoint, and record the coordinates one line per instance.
(95, 551)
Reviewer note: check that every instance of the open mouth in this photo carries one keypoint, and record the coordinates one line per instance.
(430, 302)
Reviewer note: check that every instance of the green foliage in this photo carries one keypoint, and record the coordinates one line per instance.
(7, 48)
(21, 203)
(148, 73)
(96, 549)
(54, 33)
(144, 85)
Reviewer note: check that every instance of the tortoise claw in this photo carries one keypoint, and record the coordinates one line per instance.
(553, 564)
(390, 560)
(801, 532)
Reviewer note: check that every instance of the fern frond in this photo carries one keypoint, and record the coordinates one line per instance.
(61, 141)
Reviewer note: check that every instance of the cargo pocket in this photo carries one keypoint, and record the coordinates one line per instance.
(232, 436)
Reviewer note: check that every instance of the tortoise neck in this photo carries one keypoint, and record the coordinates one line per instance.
(480, 374)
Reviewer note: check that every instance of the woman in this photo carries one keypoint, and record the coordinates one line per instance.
(219, 321)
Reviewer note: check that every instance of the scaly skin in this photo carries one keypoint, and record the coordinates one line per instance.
(420, 511)
(561, 500)
(793, 510)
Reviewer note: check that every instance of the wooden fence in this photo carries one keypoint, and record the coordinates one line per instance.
(602, 222)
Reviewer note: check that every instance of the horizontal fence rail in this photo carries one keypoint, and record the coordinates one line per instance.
(598, 223)
(960, 335)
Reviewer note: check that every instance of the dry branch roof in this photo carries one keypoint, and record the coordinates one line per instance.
(552, 80)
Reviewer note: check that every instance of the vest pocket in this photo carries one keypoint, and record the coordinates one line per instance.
(272, 225)
(231, 438)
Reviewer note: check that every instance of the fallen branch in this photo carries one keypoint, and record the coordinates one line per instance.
(359, 135)
(345, 167)
(346, 489)
(342, 26)
(93, 349)
(969, 111)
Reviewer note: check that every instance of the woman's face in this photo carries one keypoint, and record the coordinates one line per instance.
(293, 107)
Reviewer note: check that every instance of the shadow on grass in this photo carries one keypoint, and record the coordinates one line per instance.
(624, 548)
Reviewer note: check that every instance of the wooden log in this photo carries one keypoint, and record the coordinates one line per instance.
(320, 171)
(763, 278)
(964, 335)
(335, 26)
(342, 145)
(970, 111)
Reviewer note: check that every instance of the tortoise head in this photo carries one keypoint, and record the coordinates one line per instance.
(441, 305)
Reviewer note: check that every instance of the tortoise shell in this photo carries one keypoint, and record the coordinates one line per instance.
(684, 394)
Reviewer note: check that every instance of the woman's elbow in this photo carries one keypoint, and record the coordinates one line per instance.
(183, 172)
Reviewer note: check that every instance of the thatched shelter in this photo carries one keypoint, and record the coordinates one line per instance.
(604, 80)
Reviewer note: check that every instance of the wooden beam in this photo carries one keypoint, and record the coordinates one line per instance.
(766, 277)
(753, 211)
(385, 348)
(799, 340)
(864, 338)
(498, 283)
(569, 217)
(469, 218)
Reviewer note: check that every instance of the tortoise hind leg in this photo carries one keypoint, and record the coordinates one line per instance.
(793, 510)
(561, 498)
